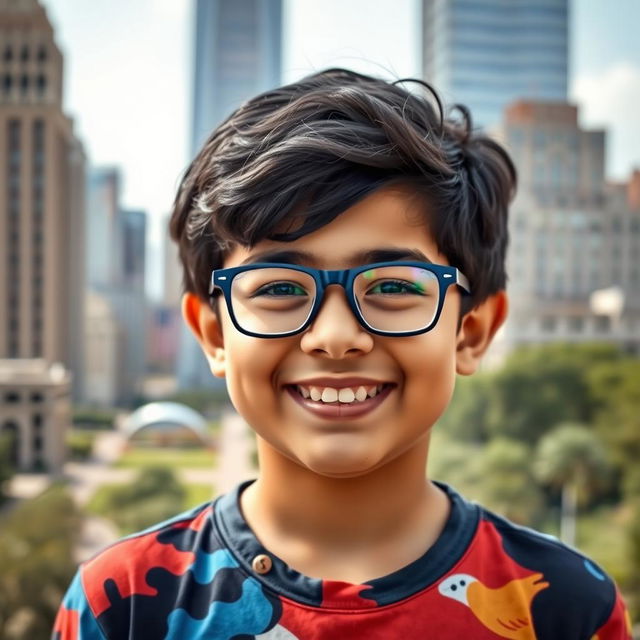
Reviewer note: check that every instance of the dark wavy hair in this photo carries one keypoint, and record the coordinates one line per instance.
(298, 156)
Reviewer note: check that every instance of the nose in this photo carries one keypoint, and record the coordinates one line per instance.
(335, 331)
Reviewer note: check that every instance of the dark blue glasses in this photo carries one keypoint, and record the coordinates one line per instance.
(273, 300)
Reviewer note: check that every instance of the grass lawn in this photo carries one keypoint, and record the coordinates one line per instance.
(602, 536)
(137, 458)
(197, 494)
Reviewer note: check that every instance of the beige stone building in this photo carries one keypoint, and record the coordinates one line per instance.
(42, 179)
(574, 255)
(35, 411)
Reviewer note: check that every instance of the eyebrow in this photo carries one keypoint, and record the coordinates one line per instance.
(383, 254)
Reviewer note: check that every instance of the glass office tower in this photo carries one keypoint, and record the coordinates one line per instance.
(488, 53)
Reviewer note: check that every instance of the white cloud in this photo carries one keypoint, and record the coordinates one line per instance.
(610, 100)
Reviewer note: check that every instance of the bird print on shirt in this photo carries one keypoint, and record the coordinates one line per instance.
(506, 610)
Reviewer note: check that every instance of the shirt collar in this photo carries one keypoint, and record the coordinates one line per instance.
(282, 580)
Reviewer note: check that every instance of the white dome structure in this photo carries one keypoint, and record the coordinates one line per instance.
(167, 417)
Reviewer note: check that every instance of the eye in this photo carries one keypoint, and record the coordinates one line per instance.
(281, 289)
(454, 587)
(394, 287)
(462, 583)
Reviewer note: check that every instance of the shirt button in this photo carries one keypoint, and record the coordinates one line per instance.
(262, 564)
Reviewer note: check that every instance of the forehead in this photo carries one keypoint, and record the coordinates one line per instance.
(390, 218)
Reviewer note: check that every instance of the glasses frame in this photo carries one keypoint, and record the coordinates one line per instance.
(221, 280)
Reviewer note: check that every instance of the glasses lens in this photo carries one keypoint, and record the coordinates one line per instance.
(397, 298)
(271, 301)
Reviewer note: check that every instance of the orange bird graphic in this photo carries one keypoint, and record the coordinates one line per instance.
(506, 610)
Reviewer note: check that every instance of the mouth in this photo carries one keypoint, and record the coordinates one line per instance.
(329, 403)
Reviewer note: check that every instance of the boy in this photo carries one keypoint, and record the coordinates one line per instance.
(343, 249)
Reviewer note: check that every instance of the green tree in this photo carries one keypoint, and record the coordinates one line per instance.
(632, 582)
(93, 417)
(571, 458)
(455, 463)
(155, 495)
(507, 484)
(616, 388)
(209, 402)
(541, 386)
(465, 419)
(36, 544)
(6, 466)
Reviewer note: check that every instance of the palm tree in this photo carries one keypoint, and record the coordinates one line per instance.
(571, 458)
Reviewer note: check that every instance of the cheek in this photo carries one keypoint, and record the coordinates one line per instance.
(430, 374)
(251, 365)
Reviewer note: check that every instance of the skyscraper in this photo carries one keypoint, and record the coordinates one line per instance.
(488, 53)
(134, 237)
(116, 309)
(103, 206)
(238, 53)
(41, 198)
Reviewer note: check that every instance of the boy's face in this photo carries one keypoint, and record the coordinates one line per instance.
(421, 368)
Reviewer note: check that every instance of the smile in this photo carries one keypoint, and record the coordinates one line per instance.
(345, 395)
(327, 402)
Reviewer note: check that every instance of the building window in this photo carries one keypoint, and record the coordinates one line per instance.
(548, 324)
(42, 53)
(36, 421)
(602, 324)
(37, 443)
(8, 53)
(576, 323)
(12, 397)
(24, 53)
(7, 82)
(24, 82)
(41, 83)
(37, 397)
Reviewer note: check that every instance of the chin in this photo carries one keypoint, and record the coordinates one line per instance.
(339, 465)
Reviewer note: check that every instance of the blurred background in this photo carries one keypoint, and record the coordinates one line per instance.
(110, 419)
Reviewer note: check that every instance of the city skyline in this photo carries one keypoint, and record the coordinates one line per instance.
(128, 80)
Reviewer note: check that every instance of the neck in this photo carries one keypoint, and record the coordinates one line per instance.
(297, 513)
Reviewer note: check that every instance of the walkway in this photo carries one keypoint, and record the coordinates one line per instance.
(234, 466)
(234, 453)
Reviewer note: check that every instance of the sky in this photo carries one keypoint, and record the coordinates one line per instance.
(128, 80)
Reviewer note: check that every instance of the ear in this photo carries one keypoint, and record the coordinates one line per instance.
(477, 330)
(205, 326)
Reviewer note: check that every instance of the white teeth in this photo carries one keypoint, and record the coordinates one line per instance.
(329, 395)
(361, 394)
(345, 395)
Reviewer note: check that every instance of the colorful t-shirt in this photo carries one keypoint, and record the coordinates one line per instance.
(205, 575)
